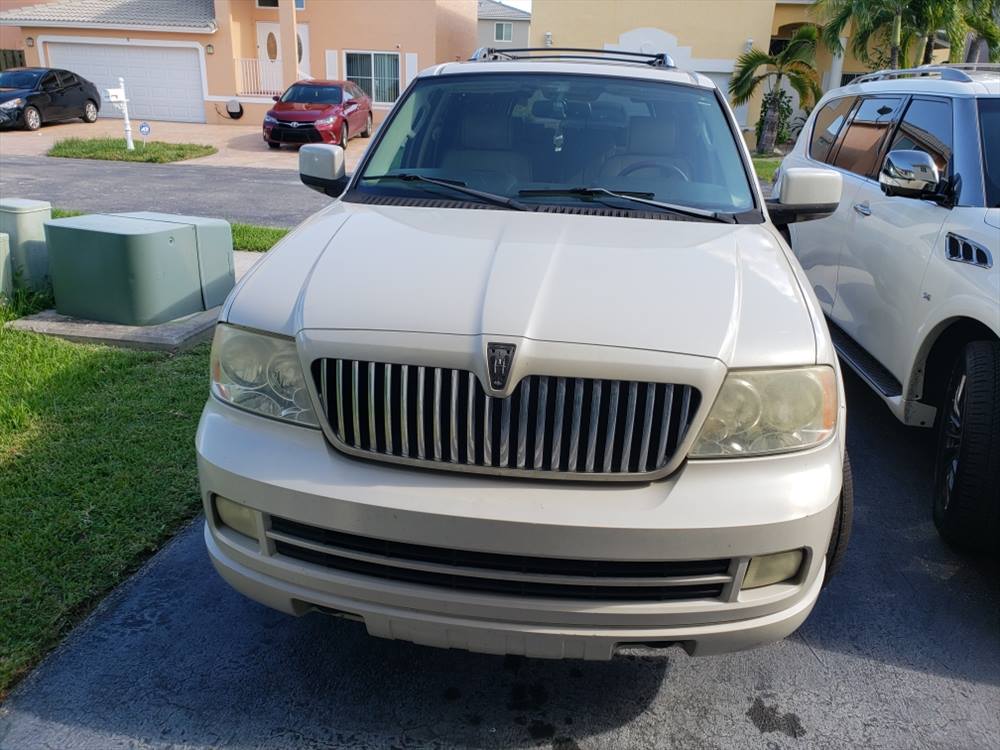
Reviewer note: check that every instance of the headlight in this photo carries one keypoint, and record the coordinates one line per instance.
(769, 411)
(326, 120)
(260, 373)
(12, 103)
(270, 120)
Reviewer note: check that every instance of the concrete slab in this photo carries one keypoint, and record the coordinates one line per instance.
(174, 335)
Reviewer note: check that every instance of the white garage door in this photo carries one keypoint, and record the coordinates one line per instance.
(162, 83)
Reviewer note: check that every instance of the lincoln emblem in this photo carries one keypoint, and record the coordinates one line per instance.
(499, 358)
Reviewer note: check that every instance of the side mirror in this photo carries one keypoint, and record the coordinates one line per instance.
(276, 98)
(909, 174)
(321, 167)
(804, 194)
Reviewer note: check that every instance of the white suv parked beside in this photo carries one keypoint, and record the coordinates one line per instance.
(544, 379)
(908, 268)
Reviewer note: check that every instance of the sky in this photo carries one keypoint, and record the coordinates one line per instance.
(519, 4)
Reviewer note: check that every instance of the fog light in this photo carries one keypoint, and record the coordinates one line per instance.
(768, 569)
(237, 517)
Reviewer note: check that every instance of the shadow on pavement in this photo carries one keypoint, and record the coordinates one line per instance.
(903, 597)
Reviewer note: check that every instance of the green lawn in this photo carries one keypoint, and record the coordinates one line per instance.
(766, 166)
(98, 465)
(255, 238)
(113, 149)
(97, 469)
(250, 237)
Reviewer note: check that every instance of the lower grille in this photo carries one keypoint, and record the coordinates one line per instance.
(303, 134)
(515, 575)
(548, 427)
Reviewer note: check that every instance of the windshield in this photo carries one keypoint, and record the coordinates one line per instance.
(19, 79)
(301, 94)
(989, 126)
(530, 136)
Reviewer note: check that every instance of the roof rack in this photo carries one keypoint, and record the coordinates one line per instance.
(946, 72)
(655, 59)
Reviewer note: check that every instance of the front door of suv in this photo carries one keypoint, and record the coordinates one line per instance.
(889, 239)
(818, 244)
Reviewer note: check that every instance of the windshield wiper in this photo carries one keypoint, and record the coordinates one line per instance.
(456, 185)
(636, 197)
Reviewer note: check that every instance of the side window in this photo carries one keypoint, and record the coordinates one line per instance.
(348, 94)
(862, 143)
(66, 78)
(926, 126)
(829, 121)
(50, 82)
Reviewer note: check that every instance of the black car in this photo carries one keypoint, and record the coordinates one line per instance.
(31, 96)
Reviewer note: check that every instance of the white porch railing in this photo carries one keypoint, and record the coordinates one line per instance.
(255, 77)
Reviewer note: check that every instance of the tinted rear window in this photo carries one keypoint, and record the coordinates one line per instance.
(989, 126)
(829, 121)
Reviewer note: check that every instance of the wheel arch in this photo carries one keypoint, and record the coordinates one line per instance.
(938, 352)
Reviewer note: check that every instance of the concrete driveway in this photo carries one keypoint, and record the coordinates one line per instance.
(239, 145)
(902, 651)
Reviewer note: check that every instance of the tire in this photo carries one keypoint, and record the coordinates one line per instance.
(344, 136)
(272, 144)
(89, 112)
(841, 534)
(32, 118)
(966, 504)
(367, 132)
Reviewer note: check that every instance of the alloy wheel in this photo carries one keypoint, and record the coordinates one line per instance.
(951, 447)
(89, 112)
(32, 119)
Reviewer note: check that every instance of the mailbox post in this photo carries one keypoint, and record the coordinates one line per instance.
(118, 99)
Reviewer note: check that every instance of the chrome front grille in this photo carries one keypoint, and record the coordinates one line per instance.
(549, 426)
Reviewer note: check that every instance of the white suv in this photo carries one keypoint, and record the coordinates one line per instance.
(544, 379)
(907, 268)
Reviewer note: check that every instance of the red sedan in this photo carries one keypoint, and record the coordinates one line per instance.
(318, 112)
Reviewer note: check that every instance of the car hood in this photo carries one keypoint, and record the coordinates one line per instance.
(707, 289)
(8, 94)
(302, 112)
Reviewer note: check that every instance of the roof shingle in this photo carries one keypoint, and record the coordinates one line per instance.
(197, 15)
(490, 10)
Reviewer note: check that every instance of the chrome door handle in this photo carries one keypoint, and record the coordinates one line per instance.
(863, 208)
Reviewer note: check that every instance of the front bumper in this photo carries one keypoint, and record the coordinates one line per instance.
(305, 133)
(732, 509)
(12, 118)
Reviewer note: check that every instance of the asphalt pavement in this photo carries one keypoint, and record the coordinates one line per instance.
(902, 651)
(271, 197)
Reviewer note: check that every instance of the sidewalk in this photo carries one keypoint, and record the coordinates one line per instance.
(239, 145)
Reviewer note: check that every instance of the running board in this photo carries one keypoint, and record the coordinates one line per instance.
(863, 363)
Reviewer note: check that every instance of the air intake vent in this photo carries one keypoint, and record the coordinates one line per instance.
(962, 250)
(549, 427)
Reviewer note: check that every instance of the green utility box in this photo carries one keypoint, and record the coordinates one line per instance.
(6, 270)
(139, 268)
(23, 221)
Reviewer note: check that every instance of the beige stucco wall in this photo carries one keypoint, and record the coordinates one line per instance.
(11, 36)
(712, 29)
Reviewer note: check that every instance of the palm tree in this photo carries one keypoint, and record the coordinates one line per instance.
(962, 21)
(871, 20)
(796, 62)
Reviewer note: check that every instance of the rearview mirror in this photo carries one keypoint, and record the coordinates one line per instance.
(804, 194)
(321, 167)
(276, 98)
(909, 174)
